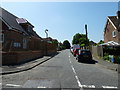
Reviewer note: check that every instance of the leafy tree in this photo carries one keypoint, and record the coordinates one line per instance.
(80, 39)
(76, 38)
(100, 42)
(66, 44)
(60, 46)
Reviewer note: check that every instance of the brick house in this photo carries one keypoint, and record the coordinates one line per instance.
(112, 29)
(19, 42)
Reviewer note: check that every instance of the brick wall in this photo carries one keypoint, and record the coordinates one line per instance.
(51, 48)
(15, 55)
(19, 57)
(108, 34)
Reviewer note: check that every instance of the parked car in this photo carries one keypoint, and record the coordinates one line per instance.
(71, 49)
(84, 55)
(75, 51)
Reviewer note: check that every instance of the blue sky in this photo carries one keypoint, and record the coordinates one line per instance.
(65, 19)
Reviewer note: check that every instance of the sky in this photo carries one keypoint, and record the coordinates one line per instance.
(64, 19)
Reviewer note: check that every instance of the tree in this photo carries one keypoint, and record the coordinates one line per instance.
(60, 46)
(66, 44)
(80, 39)
(76, 38)
(100, 42)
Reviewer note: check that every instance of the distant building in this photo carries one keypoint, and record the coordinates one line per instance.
(112, 29)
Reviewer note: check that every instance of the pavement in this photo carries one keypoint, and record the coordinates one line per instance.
(34, 63)
(106, 64)
(23, 67)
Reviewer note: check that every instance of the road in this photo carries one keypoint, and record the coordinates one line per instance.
(63, 71)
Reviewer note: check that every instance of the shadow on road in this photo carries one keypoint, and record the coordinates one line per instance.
(88, 61)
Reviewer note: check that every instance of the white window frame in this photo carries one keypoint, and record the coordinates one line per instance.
(16, 44)
(114, 33)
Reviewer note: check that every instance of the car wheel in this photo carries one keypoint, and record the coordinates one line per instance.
(76, 57)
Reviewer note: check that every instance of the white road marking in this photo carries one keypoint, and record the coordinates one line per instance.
(70, 61)
(109, 87)
(88, 86)
(78, 81)
(13, 85)
(73, 69)
(41, 87)
(85, 86)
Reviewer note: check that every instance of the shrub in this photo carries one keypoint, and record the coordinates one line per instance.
(117, 59)
(106, 57)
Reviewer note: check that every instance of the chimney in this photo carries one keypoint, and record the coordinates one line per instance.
(118, 14)
(118, 17)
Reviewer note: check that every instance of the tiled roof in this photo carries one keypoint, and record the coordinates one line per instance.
(10, 19)
(114, 20)
(14, 22)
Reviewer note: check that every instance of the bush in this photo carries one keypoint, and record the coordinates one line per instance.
(106, 57)
(117, 59)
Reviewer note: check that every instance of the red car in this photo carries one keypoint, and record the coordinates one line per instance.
(75, 51)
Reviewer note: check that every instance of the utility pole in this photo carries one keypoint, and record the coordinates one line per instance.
(86, 31)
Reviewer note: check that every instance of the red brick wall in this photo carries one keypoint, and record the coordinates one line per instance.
(108, 34)
(15, 55)
(51, 48)
(19, 57)
(11, 37)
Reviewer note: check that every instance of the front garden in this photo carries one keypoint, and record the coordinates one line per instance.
(112, 54)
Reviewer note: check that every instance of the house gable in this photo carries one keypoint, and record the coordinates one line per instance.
(18, 24)
(113, 21)
(111, 32)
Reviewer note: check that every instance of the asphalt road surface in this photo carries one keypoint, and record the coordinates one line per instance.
(63, 71)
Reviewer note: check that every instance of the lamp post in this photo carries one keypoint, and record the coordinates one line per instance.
(46, 31)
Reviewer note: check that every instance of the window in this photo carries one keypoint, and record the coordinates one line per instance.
(1, 37)
(114, 33)
(16, 44)
(24, 43)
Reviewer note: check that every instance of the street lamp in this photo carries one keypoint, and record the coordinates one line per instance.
(46, 30)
